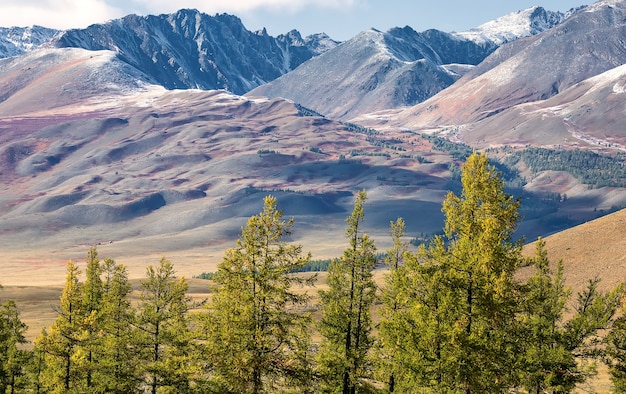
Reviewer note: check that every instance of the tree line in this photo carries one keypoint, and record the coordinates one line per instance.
(454, 316)
(591, 168)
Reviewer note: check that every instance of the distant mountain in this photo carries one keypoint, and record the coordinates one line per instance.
(15, 41)
(95, 150)
(507, 94)
(516, 25)
(375, 70)
(49, 79)
(190, 49)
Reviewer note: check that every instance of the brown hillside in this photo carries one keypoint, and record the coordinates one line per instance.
(596, 248)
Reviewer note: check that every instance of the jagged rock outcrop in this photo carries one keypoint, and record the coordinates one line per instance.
(15, 41)
(376, 71)
(190, 49)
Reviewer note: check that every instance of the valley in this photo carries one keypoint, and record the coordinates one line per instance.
(95, 150)
(160, 136)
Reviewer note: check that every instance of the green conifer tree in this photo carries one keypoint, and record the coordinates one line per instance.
(544, 359)
(163, 336)
(36, 367)
(13, 358)
(461, 291)
(346, 324)
(557, 354)
(428, 323)
(483, 260)
(117, 362)
(616, 353)
(258, 339)
(582, 334)
(62, 342)
(92, 317)
(392, 332)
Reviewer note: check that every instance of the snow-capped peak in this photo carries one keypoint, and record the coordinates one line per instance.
(514, 25)
(16, 41)
(603, 3)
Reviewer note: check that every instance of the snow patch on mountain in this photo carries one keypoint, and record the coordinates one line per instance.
(190, 49)
(457, 70)
(604, 3)
(615, 76)
(515, 25)
(319, 43)
(15, 41)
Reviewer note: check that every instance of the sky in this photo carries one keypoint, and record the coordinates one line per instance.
(340, 19)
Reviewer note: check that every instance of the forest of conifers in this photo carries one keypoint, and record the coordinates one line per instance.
(452, 317)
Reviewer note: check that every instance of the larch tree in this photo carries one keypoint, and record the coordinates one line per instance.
(36, 367)
(343, 359)
(13, 358)
(544, 359)
(163, 337)
(257, 329)
(391, 330)
(428, 323)
(117, 362)
(92, 316)
(616, 353)
(62, 342)
(582, 334)
(482, 261)
(461, 292)
(557, 354)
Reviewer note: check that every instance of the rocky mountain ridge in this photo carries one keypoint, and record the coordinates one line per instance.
(15, 41)
(516, 25)
(190, 49)
(375, 71)
(184, 50)
(570, 98)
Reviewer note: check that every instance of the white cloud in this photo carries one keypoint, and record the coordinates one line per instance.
(234, 6)
(66, 14)
(59, 14)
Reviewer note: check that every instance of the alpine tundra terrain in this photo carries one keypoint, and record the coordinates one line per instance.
(133, 135)
(564, 87)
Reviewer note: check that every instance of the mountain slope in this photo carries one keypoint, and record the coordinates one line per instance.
(15, 41)
(48, 79)
(590, 114)
(190, 49)
(593, 249)
(91, 153)
(528, 70)
(375, 71)
(516, 25)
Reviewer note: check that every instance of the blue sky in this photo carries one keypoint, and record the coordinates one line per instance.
(341, 19)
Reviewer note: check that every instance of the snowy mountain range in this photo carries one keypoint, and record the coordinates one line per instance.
(375, 71)
(515, 25)
(104, 136)
(15, 41)
(543, 90)
(189, 49)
